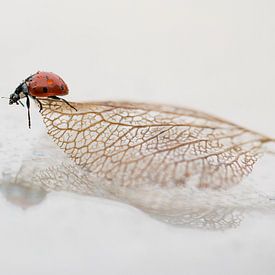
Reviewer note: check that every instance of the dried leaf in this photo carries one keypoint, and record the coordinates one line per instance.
(140, 143)
(170, 162)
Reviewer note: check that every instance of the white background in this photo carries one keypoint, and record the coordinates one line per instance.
(217, 56)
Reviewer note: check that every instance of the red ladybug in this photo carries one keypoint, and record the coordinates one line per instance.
(39, 85)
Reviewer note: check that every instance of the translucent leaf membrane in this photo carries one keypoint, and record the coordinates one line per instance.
(182, 166)
(138, 143)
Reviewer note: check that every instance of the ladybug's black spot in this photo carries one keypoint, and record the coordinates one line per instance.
(45, 89)
(62, 87)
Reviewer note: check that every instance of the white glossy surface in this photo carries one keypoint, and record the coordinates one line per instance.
(215, 56)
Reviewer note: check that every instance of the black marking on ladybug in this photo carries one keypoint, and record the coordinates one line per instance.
(45, 89)
(62, 87)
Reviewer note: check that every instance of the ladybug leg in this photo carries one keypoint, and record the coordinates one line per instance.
(28, 107)
(64, 100)
(39, 103)
(21, 103)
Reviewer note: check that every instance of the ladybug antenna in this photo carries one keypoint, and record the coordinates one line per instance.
(15, 102)
(28, 107)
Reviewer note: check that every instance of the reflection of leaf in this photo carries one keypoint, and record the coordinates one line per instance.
(135, 144)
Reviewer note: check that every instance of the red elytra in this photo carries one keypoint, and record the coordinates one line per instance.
(45, 84)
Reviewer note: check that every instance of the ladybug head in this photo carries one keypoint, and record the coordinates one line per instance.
(14, 98)
(20, 92)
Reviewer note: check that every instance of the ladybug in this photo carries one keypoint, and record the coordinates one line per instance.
(40, 85)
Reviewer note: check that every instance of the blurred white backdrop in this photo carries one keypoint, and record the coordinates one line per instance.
(217, 56)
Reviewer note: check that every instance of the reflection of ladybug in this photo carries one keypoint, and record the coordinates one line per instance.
(39, 85)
